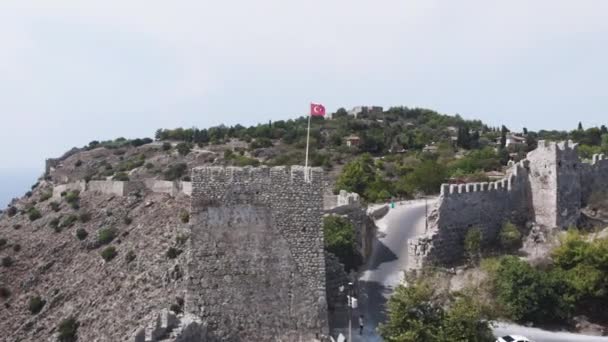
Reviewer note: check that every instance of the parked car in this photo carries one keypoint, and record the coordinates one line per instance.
(513, 338)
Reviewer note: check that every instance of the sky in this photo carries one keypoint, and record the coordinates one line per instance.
(72, 71)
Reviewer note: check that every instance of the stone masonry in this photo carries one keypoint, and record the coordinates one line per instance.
(549, 187)
(256, 265)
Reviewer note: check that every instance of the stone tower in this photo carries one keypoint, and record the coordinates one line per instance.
(555, 181)
(256, 267)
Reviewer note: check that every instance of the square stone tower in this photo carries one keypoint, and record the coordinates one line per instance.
(256, 266)
(555, 181)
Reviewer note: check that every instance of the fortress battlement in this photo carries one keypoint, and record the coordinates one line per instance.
(549, 187)
(516, 173)
(597, 158)
(567, 145)
(263, 174)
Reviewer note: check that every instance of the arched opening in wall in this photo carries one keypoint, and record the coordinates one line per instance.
(559, 163)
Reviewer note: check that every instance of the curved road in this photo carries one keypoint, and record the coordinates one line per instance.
(384, 271)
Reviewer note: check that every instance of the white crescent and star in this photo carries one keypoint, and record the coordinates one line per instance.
(317, 109)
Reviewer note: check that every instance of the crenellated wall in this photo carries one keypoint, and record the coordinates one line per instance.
(463, 206)
(549, 188)
(256, 265)
(123, 188)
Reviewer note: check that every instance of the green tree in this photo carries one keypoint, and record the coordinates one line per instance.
(412, 315)
(339, 236)
(509, 236)
(529, 295)
(472, 244)
(183, 148)
(357, 175)
(417, 314)
(426, 177)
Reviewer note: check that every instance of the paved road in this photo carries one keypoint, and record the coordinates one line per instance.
(384, 272)
(538, 335)
(389, 258)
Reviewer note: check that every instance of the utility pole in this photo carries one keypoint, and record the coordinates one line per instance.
(350, 312)
(426, 215)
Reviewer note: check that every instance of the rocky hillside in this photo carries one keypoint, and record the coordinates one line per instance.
(102, 260)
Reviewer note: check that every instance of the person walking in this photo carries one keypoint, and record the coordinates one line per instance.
(361, 325)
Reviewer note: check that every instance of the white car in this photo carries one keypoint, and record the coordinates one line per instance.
(513, 338)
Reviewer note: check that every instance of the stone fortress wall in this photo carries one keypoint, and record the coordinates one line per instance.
(549, 187)
(123, 188)
(256, 264)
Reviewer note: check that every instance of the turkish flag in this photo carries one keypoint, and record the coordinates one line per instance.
(317, 109)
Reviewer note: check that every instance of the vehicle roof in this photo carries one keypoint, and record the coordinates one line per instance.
(519, 337)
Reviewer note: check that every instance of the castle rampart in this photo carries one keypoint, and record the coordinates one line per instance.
(123, 188)
(549, 187)
(256, 264)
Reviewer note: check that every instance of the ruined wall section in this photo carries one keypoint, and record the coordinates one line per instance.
(256, 264)
(594, 178)
(568, 184)
(461, 207)
(543, 183)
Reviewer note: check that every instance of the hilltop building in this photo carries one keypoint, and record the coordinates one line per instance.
(365, 110)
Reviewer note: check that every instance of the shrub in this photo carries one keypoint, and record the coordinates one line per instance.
(78, 163)
(181, 239)
(68, 330)
(2, 242)
(16, 247)
(472, 244)
(55, 206)
(36, 304)
(54, 223)
(33, 214)
(28, 194)
(81, 234)
(260, 143)
(109, 253)
(84, 217)
(528, 294)
(106, 235)
(16, 226)
(11, 211)
(183, 148)
(176, 308)
(130, 256)
(173, 252)
(127, 220)
(416, 313)
(7, 261)
(68, 221)
(166, 146)
(340, 241)
(184, 216)
(149, 166)
(175, 171)
(510, 237)
(121, 176)
(45, 196)
(4, 292)
(72, 196)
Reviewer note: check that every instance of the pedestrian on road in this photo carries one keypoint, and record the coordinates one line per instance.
(361, 325)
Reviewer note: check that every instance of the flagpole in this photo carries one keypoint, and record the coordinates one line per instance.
(307, 142)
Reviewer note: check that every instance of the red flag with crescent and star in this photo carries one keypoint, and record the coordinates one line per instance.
(317, 109)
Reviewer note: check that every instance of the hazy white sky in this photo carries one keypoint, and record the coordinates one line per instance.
(75, 71)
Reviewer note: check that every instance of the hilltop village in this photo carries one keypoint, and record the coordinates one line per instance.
(219, 234)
